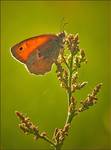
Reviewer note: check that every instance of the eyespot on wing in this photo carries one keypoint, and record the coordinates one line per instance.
(22, 50)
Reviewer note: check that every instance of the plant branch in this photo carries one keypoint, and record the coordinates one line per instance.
(70, 79)
(67, 73)
(65, 62)
(48, 140)
(29, 128)
(74, 63)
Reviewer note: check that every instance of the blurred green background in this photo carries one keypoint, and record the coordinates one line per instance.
(41, 97)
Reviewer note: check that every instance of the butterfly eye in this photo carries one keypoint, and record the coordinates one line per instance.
(21, 48)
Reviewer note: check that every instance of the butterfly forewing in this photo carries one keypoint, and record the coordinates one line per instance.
(38, 53)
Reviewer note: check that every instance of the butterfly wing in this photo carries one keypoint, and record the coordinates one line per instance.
(38, 53)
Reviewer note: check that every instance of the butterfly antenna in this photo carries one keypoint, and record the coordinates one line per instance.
(62, 24)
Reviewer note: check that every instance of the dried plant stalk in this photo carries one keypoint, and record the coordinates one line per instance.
(67, 74)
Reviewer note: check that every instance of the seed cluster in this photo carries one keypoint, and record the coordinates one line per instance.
(91, 98)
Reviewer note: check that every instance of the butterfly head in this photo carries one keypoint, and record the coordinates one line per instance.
(62, 36)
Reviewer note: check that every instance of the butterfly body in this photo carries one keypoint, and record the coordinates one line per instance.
(39, 53)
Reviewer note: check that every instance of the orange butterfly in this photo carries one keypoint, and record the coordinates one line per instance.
(40, 52)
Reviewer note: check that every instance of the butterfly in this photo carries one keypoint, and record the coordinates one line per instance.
(40, 52)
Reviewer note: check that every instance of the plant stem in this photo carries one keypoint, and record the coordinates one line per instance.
(47, 140)
(70, 78)
(70, 115)
(58, 147)
(69, 118)
(65, 62)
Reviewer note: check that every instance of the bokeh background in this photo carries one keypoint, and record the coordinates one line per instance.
(41, 97)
